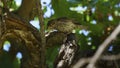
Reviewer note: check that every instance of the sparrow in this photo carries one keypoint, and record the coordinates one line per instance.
(64, 25)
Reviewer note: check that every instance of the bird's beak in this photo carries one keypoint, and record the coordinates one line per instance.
(47, 32)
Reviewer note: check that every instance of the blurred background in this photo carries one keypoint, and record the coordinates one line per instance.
(101, 16)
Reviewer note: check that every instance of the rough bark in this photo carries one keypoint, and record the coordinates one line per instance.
(16, 29)
(26, 38)
(42, 33)
(27, 10)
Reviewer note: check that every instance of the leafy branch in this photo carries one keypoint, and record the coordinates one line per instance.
(98, 55)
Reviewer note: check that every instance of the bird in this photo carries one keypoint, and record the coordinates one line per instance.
(64, 24)
(67, 52)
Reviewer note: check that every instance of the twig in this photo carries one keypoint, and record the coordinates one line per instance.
(83, 61)
(103, 46)
(99, 52)
(42, 33)
(0, 25)
(116, 64)
(110, 57)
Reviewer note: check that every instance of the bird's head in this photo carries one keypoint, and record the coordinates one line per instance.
(51, 25)
(54, 23)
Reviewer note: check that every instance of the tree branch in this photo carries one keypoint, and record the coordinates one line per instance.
(103, 46)
(98, 54)
(110, 57)
(26, 9)
(42, 33)
(29, 37)
(84, 61)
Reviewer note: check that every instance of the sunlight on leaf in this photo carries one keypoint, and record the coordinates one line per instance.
(89, 43)
(93, 9)
(79, 9)
(93, 22)
(6, 46)
(1, 4)
(117, 5)
(93, 47)
(110, 18)
(89, 38)
(19, 57)
(106, 0)
(87, 17)
(85, 32)
(117, 13)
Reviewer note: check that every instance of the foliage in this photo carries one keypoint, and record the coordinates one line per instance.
(101, 16)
